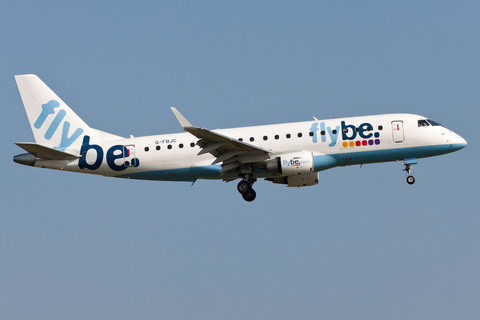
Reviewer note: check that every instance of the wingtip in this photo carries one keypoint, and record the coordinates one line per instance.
(183, 122)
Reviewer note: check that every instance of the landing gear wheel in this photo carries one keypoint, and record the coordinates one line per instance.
(249, 196)
(244, 187)
(410, 180)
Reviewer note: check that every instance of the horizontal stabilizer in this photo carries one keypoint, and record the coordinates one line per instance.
(46, 153)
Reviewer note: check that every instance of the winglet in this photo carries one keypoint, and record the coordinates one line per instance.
(183, 122)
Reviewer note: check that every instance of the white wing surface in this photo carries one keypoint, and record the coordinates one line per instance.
(232, 153)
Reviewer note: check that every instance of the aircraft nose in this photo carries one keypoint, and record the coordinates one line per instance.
(457, 142)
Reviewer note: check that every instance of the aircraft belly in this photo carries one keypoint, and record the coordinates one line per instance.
(323, 162)
(183, 174)
(403, 153)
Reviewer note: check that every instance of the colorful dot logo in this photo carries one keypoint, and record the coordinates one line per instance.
(360, 143)
(363, 131)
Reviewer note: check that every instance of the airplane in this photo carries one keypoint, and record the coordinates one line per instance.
(292, 154)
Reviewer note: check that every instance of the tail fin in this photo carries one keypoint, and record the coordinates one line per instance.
(53, 123)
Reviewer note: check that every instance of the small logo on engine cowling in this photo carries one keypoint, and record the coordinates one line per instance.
(295, 162)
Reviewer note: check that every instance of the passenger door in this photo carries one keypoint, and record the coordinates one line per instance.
(397, 130)
(129, 155)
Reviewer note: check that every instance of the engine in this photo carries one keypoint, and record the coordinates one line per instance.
(290, 164)
(300, 180)
(296, 167)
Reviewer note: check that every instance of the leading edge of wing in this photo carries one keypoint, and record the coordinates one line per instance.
(216, 140)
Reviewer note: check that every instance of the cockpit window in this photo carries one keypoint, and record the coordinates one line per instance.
(433, 123)
(423, 123)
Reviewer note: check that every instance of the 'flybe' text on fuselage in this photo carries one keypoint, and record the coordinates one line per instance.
(114, 154)
(349, 133)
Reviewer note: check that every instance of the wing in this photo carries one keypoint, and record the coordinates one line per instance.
(232, 153)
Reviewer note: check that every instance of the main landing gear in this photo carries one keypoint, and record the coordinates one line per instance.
(410, 178)
(246, 190)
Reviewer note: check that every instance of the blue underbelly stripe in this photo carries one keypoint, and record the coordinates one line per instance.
(321, 162)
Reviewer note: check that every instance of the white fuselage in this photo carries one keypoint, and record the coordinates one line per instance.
(334, 142)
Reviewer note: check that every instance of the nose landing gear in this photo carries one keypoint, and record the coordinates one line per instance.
(409, 166)
(410, 180)
(245, 188)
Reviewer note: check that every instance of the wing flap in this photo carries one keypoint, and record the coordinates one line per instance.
(211, 147)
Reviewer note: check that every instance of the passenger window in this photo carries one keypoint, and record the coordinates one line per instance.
(380, 128)
(311, 134)
(322, 132)
(277, 137)
(299, 134)
(146, 149)
(240, 139)
(180, 145)
(252, 139)
(169, 146)
(158, 148)
(357, 129)
(192, 144)
(265, 138)
(288, 135)
(334, 131)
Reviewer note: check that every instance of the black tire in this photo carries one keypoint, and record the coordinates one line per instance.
(244, 187)
(410, 180)
(250, 196)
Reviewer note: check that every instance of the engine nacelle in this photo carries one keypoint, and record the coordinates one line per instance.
(290, 164)
(299, 180)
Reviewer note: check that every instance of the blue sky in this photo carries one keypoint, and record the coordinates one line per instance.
(362, 244)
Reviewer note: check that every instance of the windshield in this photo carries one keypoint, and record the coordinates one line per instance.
(433, 123)
(423, 123)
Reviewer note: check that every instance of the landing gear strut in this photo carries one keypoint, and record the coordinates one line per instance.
(245, 188)
(410, 178)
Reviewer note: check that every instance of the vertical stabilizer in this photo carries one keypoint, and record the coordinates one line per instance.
(53, 123)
